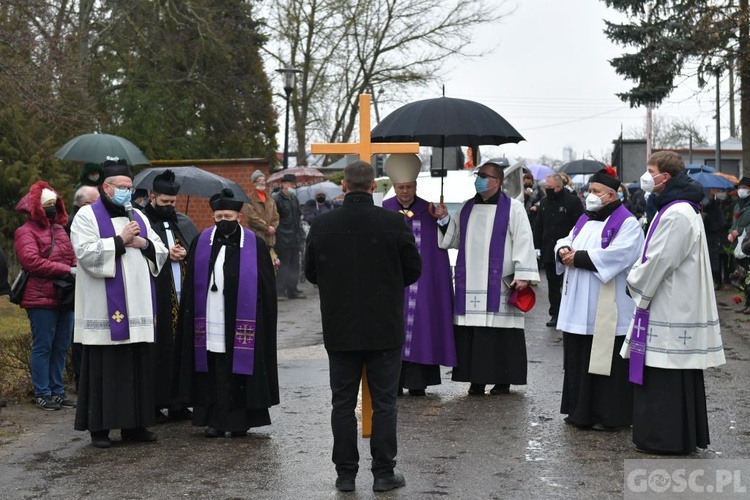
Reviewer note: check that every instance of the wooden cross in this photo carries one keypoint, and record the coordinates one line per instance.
(365, 148)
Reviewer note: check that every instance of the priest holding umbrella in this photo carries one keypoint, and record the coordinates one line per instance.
(428, 304)
(177, 232)
(228, 367)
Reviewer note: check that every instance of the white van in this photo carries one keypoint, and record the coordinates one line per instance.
(458, 186)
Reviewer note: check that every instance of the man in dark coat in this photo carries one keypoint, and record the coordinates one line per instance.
(228, 369)
(557, 214)
(289, 239)
(177, 232)
(361, 257)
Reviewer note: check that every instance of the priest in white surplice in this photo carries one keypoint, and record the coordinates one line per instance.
(496, 250)
(675, 333)
(595, 310)
(114, 313)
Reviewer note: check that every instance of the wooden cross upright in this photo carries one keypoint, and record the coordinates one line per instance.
(365, 148)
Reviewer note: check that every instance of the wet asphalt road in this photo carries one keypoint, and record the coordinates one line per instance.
(450, 445)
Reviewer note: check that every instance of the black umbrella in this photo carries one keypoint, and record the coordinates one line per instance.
(193, 182)
(95, 148)
(582, 167)
(445, 122)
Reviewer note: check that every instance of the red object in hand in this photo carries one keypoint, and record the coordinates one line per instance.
(523, 299)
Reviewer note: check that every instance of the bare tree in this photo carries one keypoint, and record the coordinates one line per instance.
(670, 133)
(346, 48)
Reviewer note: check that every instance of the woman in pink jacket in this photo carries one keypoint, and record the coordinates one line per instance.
(45, 252)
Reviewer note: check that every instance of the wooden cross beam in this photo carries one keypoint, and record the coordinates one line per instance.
(365, 149)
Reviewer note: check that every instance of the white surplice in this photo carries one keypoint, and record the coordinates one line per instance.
(519, 260)
(96, 261)
(581, 287)
(675, 281)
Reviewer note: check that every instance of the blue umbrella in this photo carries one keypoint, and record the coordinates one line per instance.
(539, 171)
(699, 167)
(711, 181)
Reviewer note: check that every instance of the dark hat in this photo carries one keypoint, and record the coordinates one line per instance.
(140, 193)
(164, 183)
(225, 201)
(289, 178)
(745, 181)
(114, 166)
(607, 177)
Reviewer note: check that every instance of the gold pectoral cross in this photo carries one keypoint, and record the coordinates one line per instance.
(364, 148)
(118, 316)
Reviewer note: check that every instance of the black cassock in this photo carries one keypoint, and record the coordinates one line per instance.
(220, 398)
(167, 307)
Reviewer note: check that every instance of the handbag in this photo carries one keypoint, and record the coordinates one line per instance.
(738, 253)
(66, 291)
(18, 287)
(19, 284)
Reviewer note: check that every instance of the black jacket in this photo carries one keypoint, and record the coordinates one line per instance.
(289, 232)
(361, 257)
(556, 217)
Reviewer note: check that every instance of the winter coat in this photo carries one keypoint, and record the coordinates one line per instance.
(362, 257)
(289, 232)
(259, 215)
(33, 241)
(741, 219)
(555, 218)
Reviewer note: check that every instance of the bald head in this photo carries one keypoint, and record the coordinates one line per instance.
(86, 195)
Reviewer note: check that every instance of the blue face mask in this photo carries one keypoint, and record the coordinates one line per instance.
(621, 196)
(481, 185)
(121, 196)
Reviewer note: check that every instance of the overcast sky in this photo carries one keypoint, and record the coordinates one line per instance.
(550, 78)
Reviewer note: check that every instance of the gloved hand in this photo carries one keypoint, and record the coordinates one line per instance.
(73, 270)
(538, 253)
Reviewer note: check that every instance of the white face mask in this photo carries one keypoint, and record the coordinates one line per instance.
(593, 203)
(647, 182)
(743, 193)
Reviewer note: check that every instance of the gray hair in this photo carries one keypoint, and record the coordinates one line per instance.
(359, 176)
(85, 195)
(557, 178)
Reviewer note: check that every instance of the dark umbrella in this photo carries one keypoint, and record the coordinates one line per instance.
(445, 122)
(582, 167)
(193, 182)
(95, 148)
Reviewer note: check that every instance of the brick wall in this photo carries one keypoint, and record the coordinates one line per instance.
(238, 171)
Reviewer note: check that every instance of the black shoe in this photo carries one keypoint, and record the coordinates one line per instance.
(239, 434)
(345, 484)
(47, 403)
(400, 392)
(417, 392)
(64, 402)
(500, 389)
(211, 432)
(604, 428)
(138, 434)
(388, 483)
(181, 414)
(552, 321)
(476, 390)
(100, 439)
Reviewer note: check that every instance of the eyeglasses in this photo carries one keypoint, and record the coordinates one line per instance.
(482, 175)
(129, 188)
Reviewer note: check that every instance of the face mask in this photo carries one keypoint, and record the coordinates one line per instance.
(647, 182)
(121, 196)
(94, 177)
(164, 211)
(320, 199)
(743, 193)
(481, 185)
(261, 186)
(528, 185)
(550, 192)
(621, 196)
(721, 196)
(227, 227)
(593, 203)
(291, 191)
(50, 212)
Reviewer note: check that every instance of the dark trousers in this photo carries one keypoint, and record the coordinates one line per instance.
(383, 369)
(288, 275)
(554, 283)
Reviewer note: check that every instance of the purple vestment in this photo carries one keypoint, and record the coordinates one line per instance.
(428, 303)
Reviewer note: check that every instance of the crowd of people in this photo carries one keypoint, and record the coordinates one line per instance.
(170, 322)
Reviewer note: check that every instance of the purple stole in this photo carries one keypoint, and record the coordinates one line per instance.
(497, 254)
(247, 295)
(640, 322)
(611, 227)
(117, 306)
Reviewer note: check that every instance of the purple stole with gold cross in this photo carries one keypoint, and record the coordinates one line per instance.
(640, 322)
(117, 306)
(611, 227)
(247, 296)
(496, 257)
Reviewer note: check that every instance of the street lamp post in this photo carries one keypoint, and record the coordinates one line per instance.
(289, 77)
